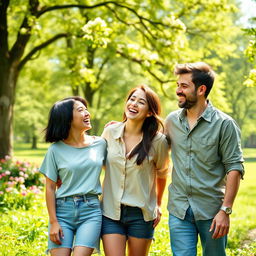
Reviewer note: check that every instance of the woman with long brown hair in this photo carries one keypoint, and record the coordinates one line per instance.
(135, 178)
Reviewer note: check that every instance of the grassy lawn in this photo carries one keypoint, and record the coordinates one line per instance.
(23, 152)
(24, 232)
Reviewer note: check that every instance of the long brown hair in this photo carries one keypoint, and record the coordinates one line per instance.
(150, 126)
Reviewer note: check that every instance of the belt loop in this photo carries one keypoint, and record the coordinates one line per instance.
(84, 196)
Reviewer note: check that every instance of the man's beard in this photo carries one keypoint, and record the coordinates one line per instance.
(189, 102)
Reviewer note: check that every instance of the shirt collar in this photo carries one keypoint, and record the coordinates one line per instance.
(119, 131)
(206, 115)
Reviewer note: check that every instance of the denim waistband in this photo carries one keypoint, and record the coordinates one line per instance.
(85, 197)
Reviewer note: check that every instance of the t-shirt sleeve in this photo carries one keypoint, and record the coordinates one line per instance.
(49, 166)
(162, 156)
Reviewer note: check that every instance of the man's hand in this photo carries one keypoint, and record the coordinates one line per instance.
(109, 123)
(220, 225)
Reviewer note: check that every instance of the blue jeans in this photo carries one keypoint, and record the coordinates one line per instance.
(184, 236)
(80, 218)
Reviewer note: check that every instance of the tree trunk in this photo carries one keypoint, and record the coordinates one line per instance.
(34, 142)
(8, 80)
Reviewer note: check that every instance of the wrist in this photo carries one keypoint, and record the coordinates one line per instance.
(53, 221)
(226, 209)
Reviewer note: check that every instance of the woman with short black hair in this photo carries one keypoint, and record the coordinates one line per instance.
(76, 159)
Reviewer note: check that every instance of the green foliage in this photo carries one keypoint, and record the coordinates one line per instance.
(250, 52)
(24, 232)
(113, 47)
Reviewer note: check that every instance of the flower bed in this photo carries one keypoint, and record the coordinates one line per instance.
(20, 182)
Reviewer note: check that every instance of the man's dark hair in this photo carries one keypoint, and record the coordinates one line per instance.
(202, 74)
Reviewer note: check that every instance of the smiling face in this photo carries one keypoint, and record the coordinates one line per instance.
(81, 117)
(186, 91)
(137, 106)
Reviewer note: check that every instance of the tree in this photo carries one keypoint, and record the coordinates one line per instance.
(149, 33)
(250, 82)
(13, 59)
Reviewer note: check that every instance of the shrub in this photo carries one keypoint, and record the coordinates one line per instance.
(20, 182)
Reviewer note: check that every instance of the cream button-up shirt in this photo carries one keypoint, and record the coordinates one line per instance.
(126, 182)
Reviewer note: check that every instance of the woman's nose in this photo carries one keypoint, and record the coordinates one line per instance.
(86, 113)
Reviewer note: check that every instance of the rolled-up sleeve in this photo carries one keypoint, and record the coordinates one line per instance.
(230, 147)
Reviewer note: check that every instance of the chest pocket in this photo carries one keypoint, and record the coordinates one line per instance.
(206, 148)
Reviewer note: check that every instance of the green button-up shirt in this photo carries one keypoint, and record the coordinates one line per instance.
(201, 158)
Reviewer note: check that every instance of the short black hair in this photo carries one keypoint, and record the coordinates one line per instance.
(202, 74)
(60, 118)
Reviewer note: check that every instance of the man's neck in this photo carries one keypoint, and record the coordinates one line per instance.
(195, 112)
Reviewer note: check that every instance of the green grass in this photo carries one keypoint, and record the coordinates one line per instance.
(23, 152)
(24, 232)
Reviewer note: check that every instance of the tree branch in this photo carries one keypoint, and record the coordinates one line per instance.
(106, 3)
(3, 28)
(38, 48)
(101, 68)
(24, 33)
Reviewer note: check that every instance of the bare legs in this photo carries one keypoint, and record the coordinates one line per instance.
(78, 251)
(115, 245)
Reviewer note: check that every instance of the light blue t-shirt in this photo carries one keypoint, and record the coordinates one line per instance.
(78, 168)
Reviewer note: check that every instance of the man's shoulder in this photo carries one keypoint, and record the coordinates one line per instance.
(218, 114)
(174, 114)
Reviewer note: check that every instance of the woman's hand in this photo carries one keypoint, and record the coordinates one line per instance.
(158, 217)
(56, 233)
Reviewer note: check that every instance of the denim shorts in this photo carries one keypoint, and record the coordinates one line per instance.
(131, 224)
(80, 218)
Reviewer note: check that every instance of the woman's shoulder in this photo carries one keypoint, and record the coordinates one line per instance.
(98, 139)
(55, 146)
(160, 136)
(112, 127)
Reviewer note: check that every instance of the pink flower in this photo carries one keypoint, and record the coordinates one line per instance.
(8, 189)
(21, 180)
(34, 189)
(24, 193)
(1, 168)
(27, 164)
(11, 183)
(7, 172)
(7, 157)
(1, 192)
(21, 173)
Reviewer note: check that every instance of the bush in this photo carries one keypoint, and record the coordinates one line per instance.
(20, 182)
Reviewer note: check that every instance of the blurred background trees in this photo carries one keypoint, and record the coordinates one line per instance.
(101, 49)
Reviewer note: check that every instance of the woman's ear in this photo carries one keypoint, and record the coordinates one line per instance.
(149, 114)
